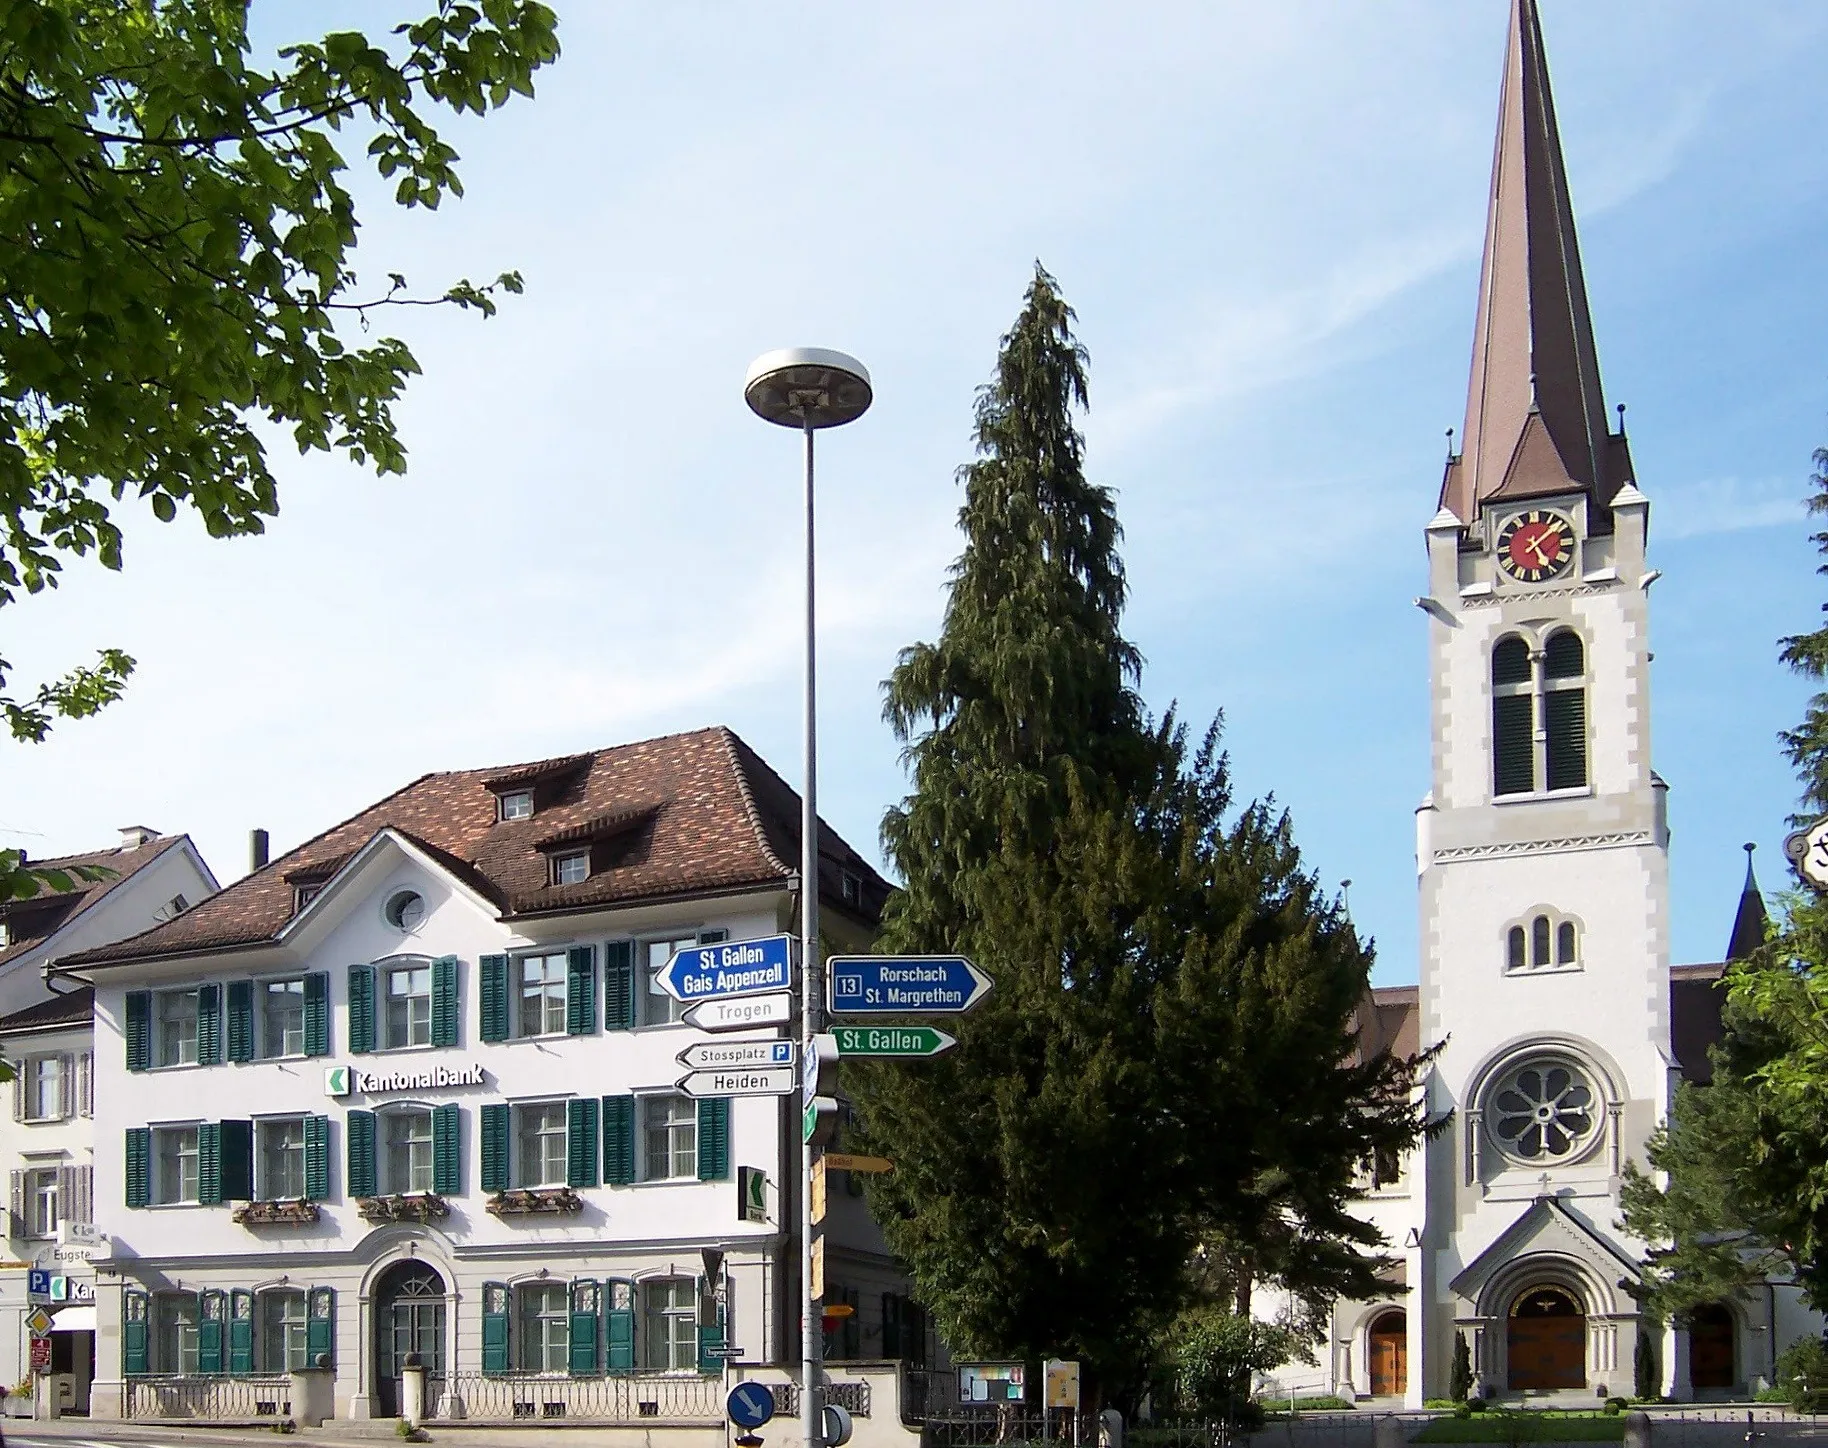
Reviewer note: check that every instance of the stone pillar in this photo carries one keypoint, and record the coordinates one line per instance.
(313, 1394)
(1391, 1432)
(1637, 1430)
(412, 1390)
(108, 1391)
(1678, 1384)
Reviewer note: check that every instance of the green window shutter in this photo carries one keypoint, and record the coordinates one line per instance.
(241, 1020)
(494, 1326)
(139, 1030)
(361, 1009)
(444, 1001)
(586, 1313)
(317, 1013)
(581, 1142)
(492, 998)
(209, 1163)
(493, 1128)
(241, 1332)
(710, 1338)
(209, 1025)
(619, 999)
(212, 1307)
(1513, 759)
(358, 1132)
(136, 1308)
(317, 1158)
(139, 1167)
(580, 990)
(619, 1327)
(618, 1140)
(320, 1326)
(713, 1138)
(1565, 721)
(235, 1174)
(447, 1149)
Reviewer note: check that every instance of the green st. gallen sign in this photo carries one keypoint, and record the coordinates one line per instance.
(891, 1040)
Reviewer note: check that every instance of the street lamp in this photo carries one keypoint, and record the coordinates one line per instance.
(809, 388)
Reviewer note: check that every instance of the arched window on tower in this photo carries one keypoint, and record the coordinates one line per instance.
(1564, 710)
(1539, 941)
(1513, 750)
(1564, 943)
(1514, 955)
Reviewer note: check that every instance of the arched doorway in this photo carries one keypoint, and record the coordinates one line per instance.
(1389, 1353)
(408, 1317)
(1547, 1341)
(1710, 1347)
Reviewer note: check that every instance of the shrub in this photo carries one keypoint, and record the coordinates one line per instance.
(1645, 1380)
(1475, 1405)
(1460, 1379)
(1802, 1372)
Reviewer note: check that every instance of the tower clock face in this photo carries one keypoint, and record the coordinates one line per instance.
(1536, 545)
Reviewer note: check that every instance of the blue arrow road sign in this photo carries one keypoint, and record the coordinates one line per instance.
(728, 968)
(916, 984)
(750, 1405)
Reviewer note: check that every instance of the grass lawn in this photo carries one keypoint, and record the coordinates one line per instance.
(1526, 1427)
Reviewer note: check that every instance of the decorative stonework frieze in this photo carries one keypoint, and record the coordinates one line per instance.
(403, 1207)
(1577, 590)
(275, 1214)
(1496, 849)
(536, 1201)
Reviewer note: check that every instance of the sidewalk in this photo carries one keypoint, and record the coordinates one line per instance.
(337, 1433)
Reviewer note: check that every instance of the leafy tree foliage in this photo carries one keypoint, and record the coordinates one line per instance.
(1217, 1354)
(1807, 654)
(175, 266)
(1167, 1060)
(1460, 1376)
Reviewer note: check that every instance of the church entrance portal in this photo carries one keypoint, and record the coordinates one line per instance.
(408, 1318)
(1710, 1347)
(1547, 1341)
(1390, 1355)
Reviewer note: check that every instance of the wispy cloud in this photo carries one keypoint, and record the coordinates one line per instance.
(1725, 505)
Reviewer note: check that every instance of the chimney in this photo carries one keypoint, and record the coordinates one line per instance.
(258, 849)
(133, 836)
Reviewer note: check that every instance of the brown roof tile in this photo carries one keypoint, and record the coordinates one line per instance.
(703, 813)
(31, 921)
(72, 1008)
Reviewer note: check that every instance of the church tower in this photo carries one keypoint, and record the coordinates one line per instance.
(1542, 846)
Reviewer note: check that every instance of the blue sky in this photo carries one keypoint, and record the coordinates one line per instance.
(1268, 218)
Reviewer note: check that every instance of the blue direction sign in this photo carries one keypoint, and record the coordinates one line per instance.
(750, 1404)
(916, 984)
(728, 968)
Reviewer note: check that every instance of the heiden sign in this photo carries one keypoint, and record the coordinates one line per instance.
(752, 1081)
(728, 968)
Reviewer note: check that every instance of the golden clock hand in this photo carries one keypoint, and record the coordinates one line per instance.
(1535, 546)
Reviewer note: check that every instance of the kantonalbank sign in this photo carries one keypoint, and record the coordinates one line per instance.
(348, 1081)
(728, 968)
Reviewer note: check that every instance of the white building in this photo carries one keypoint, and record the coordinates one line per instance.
(411, 1088)
(1542, 857)
(47, 1140)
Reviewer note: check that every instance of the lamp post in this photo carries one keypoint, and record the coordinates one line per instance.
(809, 388)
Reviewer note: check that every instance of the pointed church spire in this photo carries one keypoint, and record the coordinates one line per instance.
(1535, 415)
(1749, 922)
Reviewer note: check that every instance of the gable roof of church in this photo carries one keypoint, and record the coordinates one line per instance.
(1535, 413)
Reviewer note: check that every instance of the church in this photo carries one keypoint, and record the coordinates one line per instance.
(1542, 862)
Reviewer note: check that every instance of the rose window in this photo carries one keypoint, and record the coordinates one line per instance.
(1543, 1111)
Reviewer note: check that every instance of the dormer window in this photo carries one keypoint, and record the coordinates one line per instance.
(571, 869)
(303, 895)
(515, 804)
(850, 887)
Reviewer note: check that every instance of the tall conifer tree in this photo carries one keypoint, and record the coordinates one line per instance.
(1168, 1053)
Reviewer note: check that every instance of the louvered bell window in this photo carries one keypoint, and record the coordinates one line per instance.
(1513, 751)
(1564, 710)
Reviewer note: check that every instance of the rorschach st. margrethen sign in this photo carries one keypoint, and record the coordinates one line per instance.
(348, 1081)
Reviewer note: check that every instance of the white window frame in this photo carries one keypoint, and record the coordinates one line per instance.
(33, 1107)
(164, 1018)
(664, 1156)
(542, 1333)
(43, 1187)
(398, 1180)
(179, 1314)
(552, 1002)
(534, 1161)
(657, 1007)
(266, 989)
(169, 1142)
(669, 1324)
(281, 1344)
(266, 1168)
(417, 1032)
(571, 868)
(514, 804)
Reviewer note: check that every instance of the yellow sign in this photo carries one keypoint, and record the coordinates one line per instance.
(38, 1320)
(817, 1289)
(840, 1309)
(1062, 1387)
(818, 1190)
(838, 1161)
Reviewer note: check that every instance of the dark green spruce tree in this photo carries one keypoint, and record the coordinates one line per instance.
(1168, 1055)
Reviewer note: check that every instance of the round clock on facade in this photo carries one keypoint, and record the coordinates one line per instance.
(1535, 545)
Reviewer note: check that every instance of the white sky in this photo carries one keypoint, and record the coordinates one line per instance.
(1268, 218)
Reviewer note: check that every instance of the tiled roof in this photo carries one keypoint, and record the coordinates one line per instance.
(75, 1008)
(704, 814)
(1695, 999)
(29, 922)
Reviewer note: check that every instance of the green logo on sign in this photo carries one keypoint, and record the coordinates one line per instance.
(336, 1081)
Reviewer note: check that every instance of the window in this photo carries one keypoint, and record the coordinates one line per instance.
(408, 1151)
(1539, 940)
(542, 994)
(1526, 710)
(1516, 956)
(516, 804)
(1513, 748)
(409, 1006)
(282, 1331)
(572, 869)
(850, 887)
(670, 1138)
(46, 1082)
(405, 910)
(539, 1144)
(174, 1321)
(41, 1216)
(282, 1018)
(280, 1154)
(1564, 710)
(175, 1157)
(178, 1028)
(1564, 943)
(542, 1312)
(657, 1007)
(171, 909)
(303, 895)
(1543, 1111)
(669, 1324)
(1546, 941)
